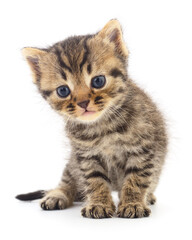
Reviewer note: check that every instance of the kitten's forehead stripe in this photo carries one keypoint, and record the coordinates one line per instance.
(72, 53)
(85, 54)
(89, 68)
(63, 75)
(61, 61)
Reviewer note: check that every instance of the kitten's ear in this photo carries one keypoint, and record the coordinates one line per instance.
(33, 57)
(113, 33)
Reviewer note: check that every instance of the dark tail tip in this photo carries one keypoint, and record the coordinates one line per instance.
(31, 196)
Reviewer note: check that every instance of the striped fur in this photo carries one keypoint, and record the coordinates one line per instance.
(122, 146)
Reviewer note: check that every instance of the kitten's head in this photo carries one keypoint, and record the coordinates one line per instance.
(81, 77)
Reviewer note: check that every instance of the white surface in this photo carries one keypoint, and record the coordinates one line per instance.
(33, 147)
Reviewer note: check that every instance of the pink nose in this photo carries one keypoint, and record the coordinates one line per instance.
(83, 104)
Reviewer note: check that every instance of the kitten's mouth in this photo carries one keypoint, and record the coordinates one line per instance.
(87, 113)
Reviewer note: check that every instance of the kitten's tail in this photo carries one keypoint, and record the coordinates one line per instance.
(31, 196)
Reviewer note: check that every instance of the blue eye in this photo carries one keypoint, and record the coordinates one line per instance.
(63, 91)
(98, 82)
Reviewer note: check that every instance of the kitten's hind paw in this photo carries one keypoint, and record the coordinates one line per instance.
(54, 200)
(98, 211)
(133, 210)
(151, 199)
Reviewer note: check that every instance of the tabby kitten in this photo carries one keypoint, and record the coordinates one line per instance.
(117, 134)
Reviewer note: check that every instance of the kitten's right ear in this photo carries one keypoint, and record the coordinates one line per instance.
(33, 57)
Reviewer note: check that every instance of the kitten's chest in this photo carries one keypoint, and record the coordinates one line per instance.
(110, 148)
(111, 155)
(114, 156)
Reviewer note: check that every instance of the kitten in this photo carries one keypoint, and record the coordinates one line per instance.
(117, 134)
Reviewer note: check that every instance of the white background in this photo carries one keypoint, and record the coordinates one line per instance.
(34, 149)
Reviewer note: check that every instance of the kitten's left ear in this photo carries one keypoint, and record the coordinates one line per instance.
(112, 32)
(34, 58)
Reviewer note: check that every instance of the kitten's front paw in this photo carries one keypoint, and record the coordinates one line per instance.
(133, 210)
(98, 211)
(55, 199)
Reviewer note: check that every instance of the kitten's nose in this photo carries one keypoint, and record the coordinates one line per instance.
(83, 104)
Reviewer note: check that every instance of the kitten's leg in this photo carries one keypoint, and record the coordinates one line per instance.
(61, 197)
(133, 196)
(99, 201)
(98, 195)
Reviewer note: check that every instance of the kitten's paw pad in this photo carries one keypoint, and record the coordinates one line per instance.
(98, 211)
(54, 200)
(132, 210)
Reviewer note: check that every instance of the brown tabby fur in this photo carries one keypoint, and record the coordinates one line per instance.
(122, 146)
